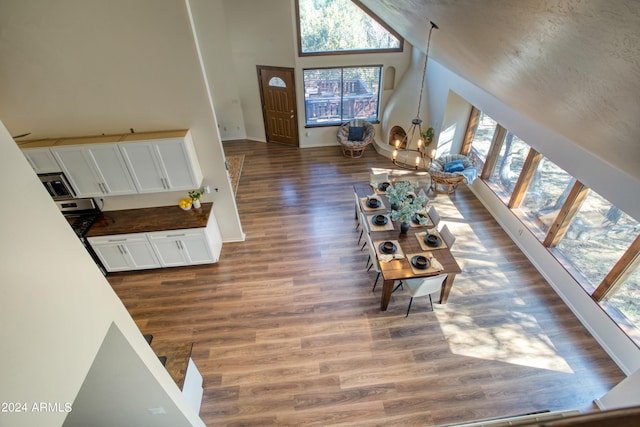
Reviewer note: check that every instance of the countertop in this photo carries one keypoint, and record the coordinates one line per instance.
(146, 220)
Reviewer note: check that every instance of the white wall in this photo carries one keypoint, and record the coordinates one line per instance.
(57, 308)
(86, 67)
(618, 188)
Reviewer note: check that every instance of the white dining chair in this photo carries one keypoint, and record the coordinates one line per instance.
(447, 236)
(372, 262)
(434, 215)
(424, 286)
(360, 218)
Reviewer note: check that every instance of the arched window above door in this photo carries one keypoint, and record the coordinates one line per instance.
(277, 82)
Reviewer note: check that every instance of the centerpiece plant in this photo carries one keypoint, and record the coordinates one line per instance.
(405, 204)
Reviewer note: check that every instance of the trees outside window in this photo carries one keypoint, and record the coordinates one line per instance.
(340, 26)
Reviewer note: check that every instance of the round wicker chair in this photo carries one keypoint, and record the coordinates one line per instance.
(448, 179)
(355, 147)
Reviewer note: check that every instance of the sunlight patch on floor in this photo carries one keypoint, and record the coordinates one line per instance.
(514, 338)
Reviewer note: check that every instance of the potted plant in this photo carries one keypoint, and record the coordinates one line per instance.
(405, 204)
(195, 197)
(427, 135)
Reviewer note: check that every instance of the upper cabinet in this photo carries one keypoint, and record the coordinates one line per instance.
(111, 165)
(95, 170)
(41, 160)
(162, 165)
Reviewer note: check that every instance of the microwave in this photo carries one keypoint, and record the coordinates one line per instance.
(57, 185)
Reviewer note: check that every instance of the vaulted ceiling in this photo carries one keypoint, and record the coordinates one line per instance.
(571, 65)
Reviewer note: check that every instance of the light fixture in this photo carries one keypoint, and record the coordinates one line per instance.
(411, 152)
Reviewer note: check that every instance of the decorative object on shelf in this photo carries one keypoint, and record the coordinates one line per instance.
(186, 204)
(415, 144)
(405, 204)
(195, 197)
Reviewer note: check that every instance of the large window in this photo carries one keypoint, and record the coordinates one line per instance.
(546, 194)
(596, 238)
(596, 242)
(509, 164)
(482, 138)
(335, 95)
(339, 26)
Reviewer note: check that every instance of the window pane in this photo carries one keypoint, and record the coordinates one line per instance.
(597, 237)
(335, 95)
(322, 95)
(360, 93)
(545, 196)
(510, 161)
(482, 138)
(340, 25)
(624, 306)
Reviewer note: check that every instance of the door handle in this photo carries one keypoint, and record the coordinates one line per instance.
(120, 249)
(292, 116)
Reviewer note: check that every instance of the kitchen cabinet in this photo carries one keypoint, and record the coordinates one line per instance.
(41, 160)
(162, 165)
(125, 252)
(95, 170)
(182, 247)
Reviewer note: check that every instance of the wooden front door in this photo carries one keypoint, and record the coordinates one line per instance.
(278, 95)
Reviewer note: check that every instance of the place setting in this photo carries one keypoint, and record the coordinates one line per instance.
(372, 203)
(388, 250)
(381, 188)
(424, 263)
(380, 222)
(430, 240)
(421, 219)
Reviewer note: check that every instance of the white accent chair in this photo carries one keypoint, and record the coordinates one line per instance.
(447, 236)
(434, 215)
(373, 259)
(423, 286)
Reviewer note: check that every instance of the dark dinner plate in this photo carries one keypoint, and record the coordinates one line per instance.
(416, 218)
(387, 247)
(432, 240)
(383, 186)
(420, 262)
(379, 220)
(373, 203)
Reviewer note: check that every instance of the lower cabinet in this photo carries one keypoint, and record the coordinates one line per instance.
(156, 249)
(125, 252)
(182, 247)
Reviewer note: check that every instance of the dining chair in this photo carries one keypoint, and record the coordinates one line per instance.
(447, 236)
(360, 218)
(434, 215)
(423, 286)
(372, 262)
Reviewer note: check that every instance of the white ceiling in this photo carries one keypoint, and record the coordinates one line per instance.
(571, 65)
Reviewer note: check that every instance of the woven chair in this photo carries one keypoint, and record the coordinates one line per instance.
(352, 145)
(448, 179)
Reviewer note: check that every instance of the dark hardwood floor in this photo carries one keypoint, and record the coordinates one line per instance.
(287, 332)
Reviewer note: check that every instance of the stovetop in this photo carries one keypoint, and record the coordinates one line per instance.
(80, 213)
(81, 222)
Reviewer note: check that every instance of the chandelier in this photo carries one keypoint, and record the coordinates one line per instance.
(411, 152)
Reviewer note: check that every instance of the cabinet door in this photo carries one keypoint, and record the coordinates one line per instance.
(124, 252)
(169, 250)
(79, 170)
(141, 255)
(110, 166)
(197, 249)
(42, 160)
(143, 162)
(179, 171)
(112, 256)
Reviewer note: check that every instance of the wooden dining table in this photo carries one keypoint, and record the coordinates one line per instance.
(409, 244)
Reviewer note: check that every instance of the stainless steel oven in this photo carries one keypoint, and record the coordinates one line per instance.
(57, 185)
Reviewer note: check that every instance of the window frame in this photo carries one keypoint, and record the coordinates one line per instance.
(366, 10)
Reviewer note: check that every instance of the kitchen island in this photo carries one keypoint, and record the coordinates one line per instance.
(157, 237)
